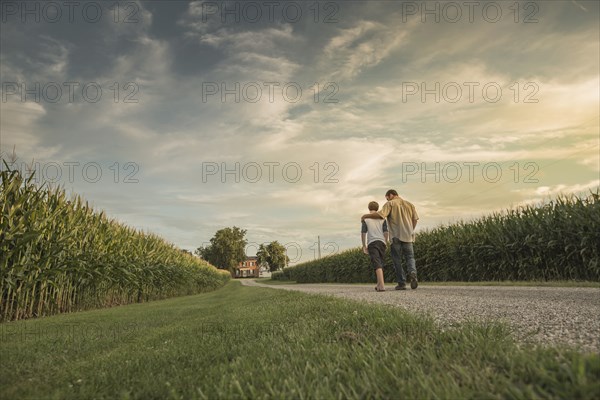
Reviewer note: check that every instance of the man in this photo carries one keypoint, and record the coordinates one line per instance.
(402, 220)
(375, 237)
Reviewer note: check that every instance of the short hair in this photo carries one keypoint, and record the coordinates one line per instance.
(373, 206)
(391, 192)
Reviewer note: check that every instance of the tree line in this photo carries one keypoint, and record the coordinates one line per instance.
(227, 249)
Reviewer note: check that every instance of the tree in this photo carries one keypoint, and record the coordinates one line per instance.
(272, 255)
(226, 249)
(262, 256)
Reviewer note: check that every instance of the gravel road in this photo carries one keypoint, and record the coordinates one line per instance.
(547, 315)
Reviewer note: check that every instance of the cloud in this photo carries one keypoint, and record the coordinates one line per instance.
(579, 5)
(18, 130)
(361, 47)
(541, 194)
(363, 140)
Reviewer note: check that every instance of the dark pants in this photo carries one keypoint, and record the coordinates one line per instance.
(400, 248)
(377, 253)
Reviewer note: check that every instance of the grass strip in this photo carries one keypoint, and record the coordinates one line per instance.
(248, 342)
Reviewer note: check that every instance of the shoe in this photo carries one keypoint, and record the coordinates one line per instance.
(413, 280)
(401, 286)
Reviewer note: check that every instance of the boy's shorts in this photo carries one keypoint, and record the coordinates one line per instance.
(377, 253)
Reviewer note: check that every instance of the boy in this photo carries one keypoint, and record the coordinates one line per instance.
(375, 230)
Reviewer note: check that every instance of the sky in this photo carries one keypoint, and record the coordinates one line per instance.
(287, 118)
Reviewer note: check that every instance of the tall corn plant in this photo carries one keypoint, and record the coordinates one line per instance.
(559, 240)
(58, 255)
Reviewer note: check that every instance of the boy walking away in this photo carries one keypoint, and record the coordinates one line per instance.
(402, 218)
(375, 236)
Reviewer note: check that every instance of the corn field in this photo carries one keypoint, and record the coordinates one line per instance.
(559, 240)
(59, 255)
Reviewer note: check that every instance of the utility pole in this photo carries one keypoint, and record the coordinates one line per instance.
(319, 244)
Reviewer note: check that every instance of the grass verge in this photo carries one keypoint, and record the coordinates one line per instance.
(248, 342)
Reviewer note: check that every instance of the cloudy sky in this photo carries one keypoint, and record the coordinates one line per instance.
(286, 119)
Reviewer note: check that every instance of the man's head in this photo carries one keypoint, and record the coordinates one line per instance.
(373, 206)
(390, 194)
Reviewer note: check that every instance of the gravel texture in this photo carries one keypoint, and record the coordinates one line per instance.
(548, 315)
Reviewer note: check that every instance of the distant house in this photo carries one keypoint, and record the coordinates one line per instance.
(247, 269)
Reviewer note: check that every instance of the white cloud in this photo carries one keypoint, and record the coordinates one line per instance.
(361, 47)
(18, 127)
(579, 5)
(367, 135)
(542, 194)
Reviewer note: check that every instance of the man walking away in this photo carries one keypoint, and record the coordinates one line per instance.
(402, 219)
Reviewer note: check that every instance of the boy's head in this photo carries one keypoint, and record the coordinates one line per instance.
(373, 206)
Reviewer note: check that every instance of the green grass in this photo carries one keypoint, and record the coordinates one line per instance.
(584, 284)
(245, 342)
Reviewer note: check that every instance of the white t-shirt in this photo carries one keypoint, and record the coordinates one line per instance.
(374, 228)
